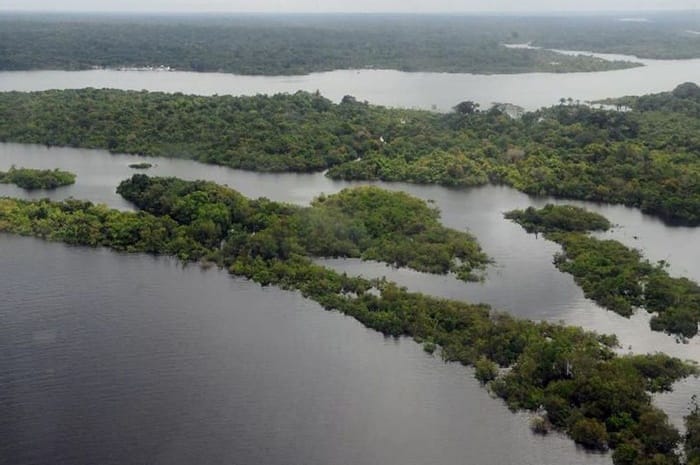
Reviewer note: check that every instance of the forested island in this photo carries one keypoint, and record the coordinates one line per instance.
(642, 158)
(600, 399)
(692, 438)
(302, 44)
(140, 166)
(614, 276)
(31, 179)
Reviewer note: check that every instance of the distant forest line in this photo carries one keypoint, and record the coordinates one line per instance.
(302, 44)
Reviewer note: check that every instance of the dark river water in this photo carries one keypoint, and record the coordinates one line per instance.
(115, 359)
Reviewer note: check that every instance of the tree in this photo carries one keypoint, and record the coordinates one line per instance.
(590, 433)
(467, 107)
(692, 435)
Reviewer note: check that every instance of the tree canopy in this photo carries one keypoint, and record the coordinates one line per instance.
(644, 158)
(616, 277)
(31, 179)
(280, 45)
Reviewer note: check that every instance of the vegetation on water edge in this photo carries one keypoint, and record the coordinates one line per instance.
(658, 35)
(692, 434)
(558, 218)
(614, 276)
(600, 399)
(643, 158)
(301, 132)
(279, 45)
(140, 166)
(684, 99)
(364, 222)
(31, 179)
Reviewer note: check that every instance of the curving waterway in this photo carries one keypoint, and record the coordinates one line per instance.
(437, 91)
(87, 323)
(114, 358)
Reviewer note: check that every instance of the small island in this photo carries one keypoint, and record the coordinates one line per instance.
(561, 218)
(140, 166)
(32, 179)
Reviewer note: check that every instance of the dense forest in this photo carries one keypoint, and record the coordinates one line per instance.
(31, 179)
(669, 35)
(692, 435)
(364, 222)
(558, 218)
(616, 277)
(284, 45)
(600, 399)
(645, 158)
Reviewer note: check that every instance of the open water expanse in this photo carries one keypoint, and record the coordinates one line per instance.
(113, 358)
(438, 91)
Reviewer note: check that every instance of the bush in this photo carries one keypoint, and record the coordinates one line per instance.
(486, 370)
(590, 433)
(539, 425)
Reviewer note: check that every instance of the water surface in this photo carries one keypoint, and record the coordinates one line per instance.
(110, 359)
(437, 91)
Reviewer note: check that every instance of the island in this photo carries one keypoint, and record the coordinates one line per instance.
(140, 166)
(614, 276)
(574, 378)
(31, 179)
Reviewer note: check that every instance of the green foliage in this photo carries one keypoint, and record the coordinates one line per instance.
(394, 228)
(280, 45)
(140, 166)
(301, 132)
(663, 36)
(692, 435)
(539, 425)
(643, 158)
(616, 277)
(429, 347)
(364, 222)
(590, 433)
(561, 218)
(485, 370)
(600, 398)
(30, 179)
(685, 98)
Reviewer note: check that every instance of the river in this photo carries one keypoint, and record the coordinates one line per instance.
(438, 91)
(113, 358)
(523, 280)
